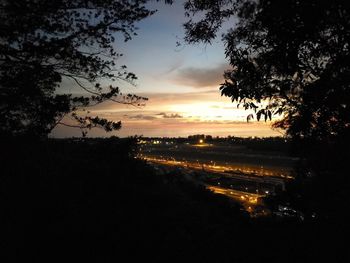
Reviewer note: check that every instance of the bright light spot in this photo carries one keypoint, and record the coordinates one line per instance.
(253, 200)
(201, 141)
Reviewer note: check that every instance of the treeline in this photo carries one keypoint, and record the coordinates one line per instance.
(254, 143)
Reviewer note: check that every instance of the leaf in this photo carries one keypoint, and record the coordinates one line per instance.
(253, 105)
(250, 117)
(258, 115)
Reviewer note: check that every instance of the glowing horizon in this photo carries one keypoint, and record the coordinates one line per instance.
(182, 85)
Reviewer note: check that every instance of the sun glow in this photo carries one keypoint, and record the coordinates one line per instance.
(209, 111)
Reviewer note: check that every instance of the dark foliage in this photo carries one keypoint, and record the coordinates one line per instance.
(292, 55)
(43, 43)
(290, 58)
(90, 200)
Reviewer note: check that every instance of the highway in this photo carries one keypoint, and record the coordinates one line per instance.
(241, 174)
(249, 200)
(227, 171)
(243, 197)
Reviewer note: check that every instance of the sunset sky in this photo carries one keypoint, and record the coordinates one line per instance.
(182, 84)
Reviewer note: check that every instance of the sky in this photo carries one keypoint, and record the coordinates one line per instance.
(181, 83)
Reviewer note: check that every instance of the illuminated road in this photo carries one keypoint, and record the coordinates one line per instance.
(244, 197)
(249, 200)
(217, 166)
(240, 173)
(224, 158)
(228, 170)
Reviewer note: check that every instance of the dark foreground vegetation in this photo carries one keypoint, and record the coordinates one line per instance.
(91, 200)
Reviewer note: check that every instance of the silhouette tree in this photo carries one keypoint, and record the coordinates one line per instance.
(43, 43)
(288, 58)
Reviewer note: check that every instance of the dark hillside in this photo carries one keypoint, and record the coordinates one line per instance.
(92, 201)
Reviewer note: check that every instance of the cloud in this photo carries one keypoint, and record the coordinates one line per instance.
(201, 77)
(222, 107)
(153, 116)
(161, 99)
(174, 66)
(170, 116)
(142, 117)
